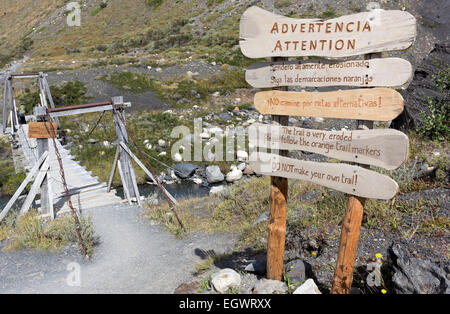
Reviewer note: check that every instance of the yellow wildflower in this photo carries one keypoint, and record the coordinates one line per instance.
(383, 291)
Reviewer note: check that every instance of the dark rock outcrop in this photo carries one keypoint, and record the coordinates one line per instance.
(417, 275)
(421, 87)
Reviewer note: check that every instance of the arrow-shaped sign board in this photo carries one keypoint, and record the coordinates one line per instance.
(346, 178)
(377, 104)
(361, 73)
(386, 148)
(264, 34)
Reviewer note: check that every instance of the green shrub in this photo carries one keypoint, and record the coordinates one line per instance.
(12, 183)
(68, 94)
(436, 122)
(129, 81)
(32, 232)
(279, 4)
(154, 3)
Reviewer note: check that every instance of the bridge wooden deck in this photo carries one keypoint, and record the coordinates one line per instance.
(85, 190)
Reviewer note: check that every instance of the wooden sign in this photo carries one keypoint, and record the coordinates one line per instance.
(386, 148)
(362, 73)
(265, 34)
(377, 104)
(346, 178)
(39, 129)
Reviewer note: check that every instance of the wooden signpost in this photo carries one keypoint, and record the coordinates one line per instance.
(264, 34)
(379, 104)
(386, 148)
(361, 73)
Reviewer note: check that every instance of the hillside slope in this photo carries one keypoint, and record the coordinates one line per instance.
(171, 31)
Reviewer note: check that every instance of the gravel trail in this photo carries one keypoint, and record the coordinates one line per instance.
(133, 257)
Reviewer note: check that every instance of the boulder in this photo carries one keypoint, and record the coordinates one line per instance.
(184, 171)
(309, 287)
(177, 157)
(234, 175)
(258, 267)
(263, 217)
(162, 143)
(213, 174)
(225, 116)
(298, 271)
(216, 189)
(242, 155)
(416, 275)
(225, 280)
(269, 286)
(248, 171)
(421, 87)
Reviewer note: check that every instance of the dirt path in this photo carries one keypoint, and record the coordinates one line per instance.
(133, 257)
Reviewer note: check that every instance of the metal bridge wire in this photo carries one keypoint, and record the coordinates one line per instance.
(169, 201)
(66, 190)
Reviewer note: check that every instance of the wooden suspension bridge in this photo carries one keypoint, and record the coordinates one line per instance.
(54, 174)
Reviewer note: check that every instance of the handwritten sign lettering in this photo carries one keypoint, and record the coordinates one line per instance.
(264, 34)
(41, 129)
(363, 73)
(378, 104)
(386, 148)
(346, 178)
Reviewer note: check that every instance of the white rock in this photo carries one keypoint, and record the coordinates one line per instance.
(308, 287)
(213, 63)
(213, 174)
(242, 154)
(225, 280)
(159, 70)
(177, 157)
(216, 94)
(106, 144)
(251, 121)
(215, 130)
(146, 141)
(148, 146)
(197, 180)
(204, 135)
(189, 74)
(162, 154)
(241, 166)
(210, 156)
(269, 286)
(319, 120)
(216, 189)
(149, 67)
(162, 143)
(234, 175)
